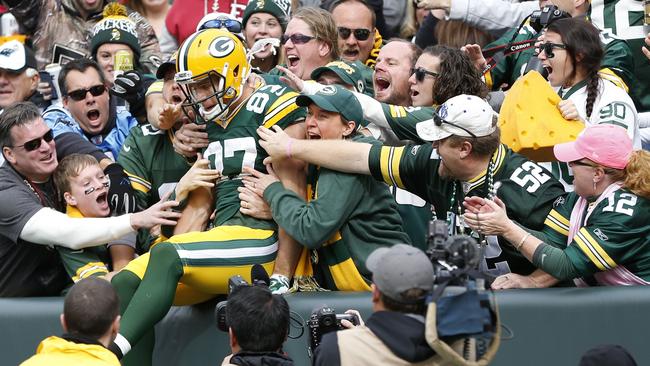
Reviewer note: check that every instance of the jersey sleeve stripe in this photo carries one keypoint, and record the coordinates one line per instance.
(556, 226)
(138, 183)
(609, 74)
(593, 250)
(89, 270)
(280, 109)
(560, 221)
(389, 163)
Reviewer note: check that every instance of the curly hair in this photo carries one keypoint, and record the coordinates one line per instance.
(457, 75)
(584, 49)
(636, 175)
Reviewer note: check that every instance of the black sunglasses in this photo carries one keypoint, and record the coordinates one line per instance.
(80, 94)
(420, 73)
(231, 25)
(439, 121)
(548, 48)
(34, 144)
(296, 38)
(360, 34)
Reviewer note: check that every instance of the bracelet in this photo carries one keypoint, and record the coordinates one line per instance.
(521, 242)
(289, 148)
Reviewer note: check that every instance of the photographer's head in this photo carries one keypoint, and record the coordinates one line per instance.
(402, 278)
(465, 132)
(258, 320)
(91, 310)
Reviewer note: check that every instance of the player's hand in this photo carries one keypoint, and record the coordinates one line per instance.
(434, 4)
(513, 280)
(158, 214)
(190, 138)
(276, 142)
(291, 79)
(568, 109)
(488, 218)
(475, 55)
(199, 175)
(169, 115)
(254, 205)
(121, 197)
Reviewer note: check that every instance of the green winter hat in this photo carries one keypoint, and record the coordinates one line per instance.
(335, 98)
(350, 73)
(281, 9)
(115, 27)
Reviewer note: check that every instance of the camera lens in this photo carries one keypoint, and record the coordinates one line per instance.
(327, 322)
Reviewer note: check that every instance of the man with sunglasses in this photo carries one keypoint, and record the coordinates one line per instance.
(29, 222)
(465, 158)
(90, 122)
(355, 23)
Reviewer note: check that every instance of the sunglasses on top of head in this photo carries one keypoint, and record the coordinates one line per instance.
(296, 38)
(439, 121)
(34, 144)
(421, 73)
(231, 25)
(360, 34)
(80, 94)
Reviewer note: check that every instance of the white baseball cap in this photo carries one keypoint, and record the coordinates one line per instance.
(463, 115)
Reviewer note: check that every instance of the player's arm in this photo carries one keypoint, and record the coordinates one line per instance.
(80, 264)
(292, 175)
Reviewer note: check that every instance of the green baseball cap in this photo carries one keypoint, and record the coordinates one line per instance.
(350, 74)
(335, 98)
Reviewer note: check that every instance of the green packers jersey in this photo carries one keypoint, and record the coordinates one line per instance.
(527, 189)
(346, 218)
(149, 159)
(612, 244)
(617, 64)
(234, 144)
(624, 18)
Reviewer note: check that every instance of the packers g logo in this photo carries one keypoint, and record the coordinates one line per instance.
(221, 47)
(328, 90)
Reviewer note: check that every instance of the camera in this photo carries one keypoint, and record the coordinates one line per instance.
(452, 256)
(540, 19)
(259, 277)
(325, 320)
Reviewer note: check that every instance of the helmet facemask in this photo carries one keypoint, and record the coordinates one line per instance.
(206, 89)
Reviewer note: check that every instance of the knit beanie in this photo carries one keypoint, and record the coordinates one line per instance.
(115, 27)
(281, 9)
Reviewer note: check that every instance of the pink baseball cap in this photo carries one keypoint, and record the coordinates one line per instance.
(605, 144)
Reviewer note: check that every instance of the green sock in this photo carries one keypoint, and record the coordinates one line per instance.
(142, 353)
(125, 284)
(155, 295)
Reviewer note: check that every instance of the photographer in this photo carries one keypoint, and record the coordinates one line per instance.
(258, 326)
(394, 333)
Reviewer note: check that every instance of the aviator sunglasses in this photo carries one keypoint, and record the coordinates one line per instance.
(360, 34)
(34, 144)
(80, 94)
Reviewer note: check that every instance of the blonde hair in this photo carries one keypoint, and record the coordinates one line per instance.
(322, 25)
(410, 24)
(70, 167)
(636, 175)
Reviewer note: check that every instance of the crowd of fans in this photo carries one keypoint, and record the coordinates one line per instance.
(166, 146)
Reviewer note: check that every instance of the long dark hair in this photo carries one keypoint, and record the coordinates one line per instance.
(457, 75)
(583, 46)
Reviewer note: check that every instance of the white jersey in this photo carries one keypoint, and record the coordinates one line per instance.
(612, 105)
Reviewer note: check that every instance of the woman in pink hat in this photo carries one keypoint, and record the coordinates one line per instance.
(596, 235)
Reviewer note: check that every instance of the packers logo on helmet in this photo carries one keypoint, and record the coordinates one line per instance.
(212, 70)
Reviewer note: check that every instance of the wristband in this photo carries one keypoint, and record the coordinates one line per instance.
(521, 242)
(288, 150)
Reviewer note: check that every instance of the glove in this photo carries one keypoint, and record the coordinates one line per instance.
(128, 86)
(121, 197)
(279, 284)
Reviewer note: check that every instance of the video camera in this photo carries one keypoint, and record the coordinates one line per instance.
(325, 320)
(259, 277)
(452, 256)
